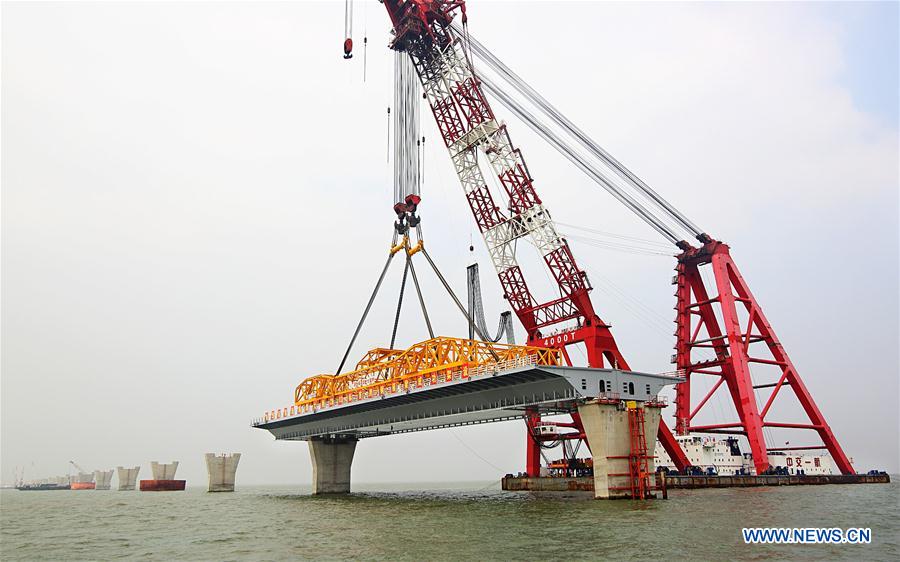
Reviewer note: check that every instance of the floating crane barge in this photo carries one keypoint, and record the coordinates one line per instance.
(721, 331)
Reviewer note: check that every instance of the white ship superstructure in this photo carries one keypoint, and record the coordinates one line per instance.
(723, 456)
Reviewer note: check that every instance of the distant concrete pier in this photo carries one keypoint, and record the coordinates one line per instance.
(221, 470)
(102, 479)
(127, 477)
(163, 471)
(331, 460)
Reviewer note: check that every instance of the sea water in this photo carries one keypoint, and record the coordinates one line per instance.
(448, 521)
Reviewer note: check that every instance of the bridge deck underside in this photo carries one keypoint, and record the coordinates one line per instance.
(502, 396)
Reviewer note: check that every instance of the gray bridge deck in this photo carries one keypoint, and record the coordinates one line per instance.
(499, 396)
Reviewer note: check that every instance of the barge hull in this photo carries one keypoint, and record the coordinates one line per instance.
(586, 483)
(162, 485)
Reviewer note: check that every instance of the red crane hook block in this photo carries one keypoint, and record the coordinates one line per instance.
(348, 48)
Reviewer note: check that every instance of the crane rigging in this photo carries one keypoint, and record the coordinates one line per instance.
(730, 339)
(724, 318)
(530, 94)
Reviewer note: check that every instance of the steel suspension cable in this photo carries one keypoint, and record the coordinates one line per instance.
(573, 156)
(566, 124)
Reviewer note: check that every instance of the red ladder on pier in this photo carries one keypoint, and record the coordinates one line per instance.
(637, 461)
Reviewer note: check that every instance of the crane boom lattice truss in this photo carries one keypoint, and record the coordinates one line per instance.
(470, 131)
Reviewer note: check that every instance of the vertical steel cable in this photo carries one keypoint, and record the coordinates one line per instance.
(406, 128)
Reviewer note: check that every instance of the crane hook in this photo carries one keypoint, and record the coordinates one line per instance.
(348, 29)
(348, 48)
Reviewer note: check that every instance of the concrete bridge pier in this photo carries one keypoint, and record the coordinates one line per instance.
(608, 433)
(331, 460)
(221, 470)
(127, 477)
(102, 479)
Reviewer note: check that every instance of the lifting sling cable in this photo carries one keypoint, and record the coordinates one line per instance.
(365, 313)
(399, 303)
(562, 121)
(412, 269)
(408, 268)
(576, 158)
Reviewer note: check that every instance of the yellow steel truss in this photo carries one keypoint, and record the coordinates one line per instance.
(385, 371)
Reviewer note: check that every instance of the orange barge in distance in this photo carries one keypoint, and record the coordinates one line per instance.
(163, 478)
(162, 485)
(83, 486)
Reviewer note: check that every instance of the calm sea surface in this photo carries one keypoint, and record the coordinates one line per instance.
(437, 522)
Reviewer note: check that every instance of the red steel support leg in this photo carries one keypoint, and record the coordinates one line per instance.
(532, 446)
(733, 343)
(674, 450)
(788, 371)
(742, 383)
(683, 333)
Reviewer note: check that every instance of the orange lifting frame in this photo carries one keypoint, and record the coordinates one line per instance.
(435, 359)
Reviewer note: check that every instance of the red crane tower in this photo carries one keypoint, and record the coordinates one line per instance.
(440, 52)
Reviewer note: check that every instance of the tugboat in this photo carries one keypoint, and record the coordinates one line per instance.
(84, 480)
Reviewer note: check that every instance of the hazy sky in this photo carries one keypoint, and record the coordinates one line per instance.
(196, 203)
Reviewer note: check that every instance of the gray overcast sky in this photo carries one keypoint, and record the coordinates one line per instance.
(196, 203)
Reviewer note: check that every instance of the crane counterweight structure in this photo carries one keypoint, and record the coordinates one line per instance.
(440, 51)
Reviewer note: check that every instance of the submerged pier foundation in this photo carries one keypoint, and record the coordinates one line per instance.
(331, 461)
